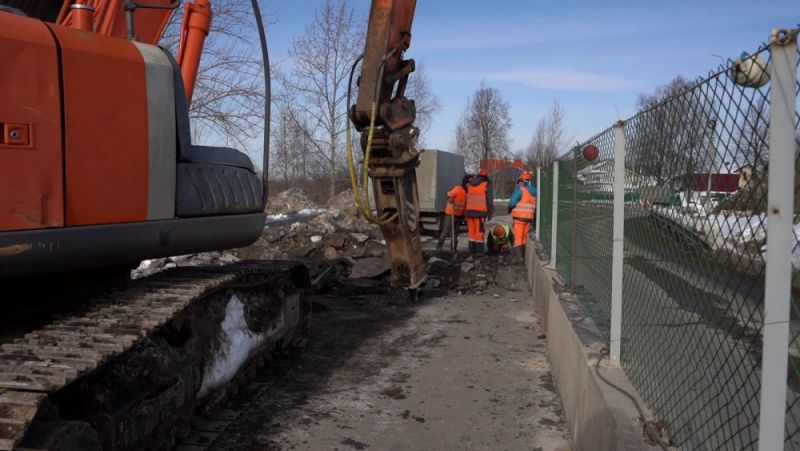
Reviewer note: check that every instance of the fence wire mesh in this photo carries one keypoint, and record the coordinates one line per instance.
(696, 172)
(585, 226)
(545, 193)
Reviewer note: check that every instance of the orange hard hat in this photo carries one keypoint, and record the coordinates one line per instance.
(499, 231)
(483, 172)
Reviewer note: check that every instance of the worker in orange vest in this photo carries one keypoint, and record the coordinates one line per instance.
(522, 207)
(454, 211)
(480, 208)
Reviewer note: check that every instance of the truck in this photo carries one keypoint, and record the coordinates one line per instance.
(437, 173)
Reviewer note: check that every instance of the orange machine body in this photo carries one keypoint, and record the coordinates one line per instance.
(106, 128)
(96, 161)
(31, 174)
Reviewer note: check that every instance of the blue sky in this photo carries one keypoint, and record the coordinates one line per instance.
(595, 57)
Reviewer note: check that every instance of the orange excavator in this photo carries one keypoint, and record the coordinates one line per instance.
(97, 166)
(98, 170)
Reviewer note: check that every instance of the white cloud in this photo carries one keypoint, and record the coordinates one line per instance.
(547, 78)
(565, 79)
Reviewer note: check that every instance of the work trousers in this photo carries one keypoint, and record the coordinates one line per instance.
(476, 228)
(448, 226)
(521, 231)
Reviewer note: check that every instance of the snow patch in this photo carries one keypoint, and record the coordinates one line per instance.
(238, 342)
(731, 231)
(275, 217)
(310, 211)
(795, 249)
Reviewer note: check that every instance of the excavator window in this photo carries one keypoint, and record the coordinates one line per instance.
(41, 9)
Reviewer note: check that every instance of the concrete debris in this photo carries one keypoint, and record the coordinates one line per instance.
(337, 231)
(330, 253)
(341, 249)
(291, 201)
(370, 268)
(149, 267)
(359, 237)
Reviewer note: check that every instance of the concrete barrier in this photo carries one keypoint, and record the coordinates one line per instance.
(599, 416)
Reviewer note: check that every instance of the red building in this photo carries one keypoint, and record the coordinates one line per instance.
(725, 183)
(494, 165)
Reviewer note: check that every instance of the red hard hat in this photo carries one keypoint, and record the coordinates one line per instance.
(483, 172)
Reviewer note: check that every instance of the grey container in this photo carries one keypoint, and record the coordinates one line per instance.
(438, 172)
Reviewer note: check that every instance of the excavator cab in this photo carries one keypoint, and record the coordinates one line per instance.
(97, 165)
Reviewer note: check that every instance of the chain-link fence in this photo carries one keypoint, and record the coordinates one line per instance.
(545, 203)
(695, 195)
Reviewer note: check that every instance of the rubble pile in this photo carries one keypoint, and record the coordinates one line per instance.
(342, 249)
(337, 231)
(290, 201)
(341, 213)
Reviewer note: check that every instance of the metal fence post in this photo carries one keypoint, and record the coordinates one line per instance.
(780, 240)
(554, 216)
(574, 252)
(618, 237)
(538, 199)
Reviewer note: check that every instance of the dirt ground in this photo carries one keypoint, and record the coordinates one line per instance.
(458, 371)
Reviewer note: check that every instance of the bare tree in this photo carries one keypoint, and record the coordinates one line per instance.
(754, 146)
(427, 102)
(281, 147)
(676, 132)
(228, 101)
(320, 65)
(482, 133)
(460, 145)
(549, 138)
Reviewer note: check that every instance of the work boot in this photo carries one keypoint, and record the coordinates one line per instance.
(519, 255)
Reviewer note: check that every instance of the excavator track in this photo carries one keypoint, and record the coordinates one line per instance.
(50, 373)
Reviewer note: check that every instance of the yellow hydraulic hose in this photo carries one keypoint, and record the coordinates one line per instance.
(362, 206)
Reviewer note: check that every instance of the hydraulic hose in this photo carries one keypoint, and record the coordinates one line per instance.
(364, 208)
(262, 36)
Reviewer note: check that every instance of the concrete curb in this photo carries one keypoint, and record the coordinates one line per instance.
(599, 416)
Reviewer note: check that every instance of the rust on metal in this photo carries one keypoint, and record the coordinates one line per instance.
(393, 156)
(15, 249)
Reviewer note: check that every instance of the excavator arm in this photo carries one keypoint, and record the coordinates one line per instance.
(385, 118)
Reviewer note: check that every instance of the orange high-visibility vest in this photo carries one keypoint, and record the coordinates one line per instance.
(458, 203)
(476, 197)
(526, 207)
